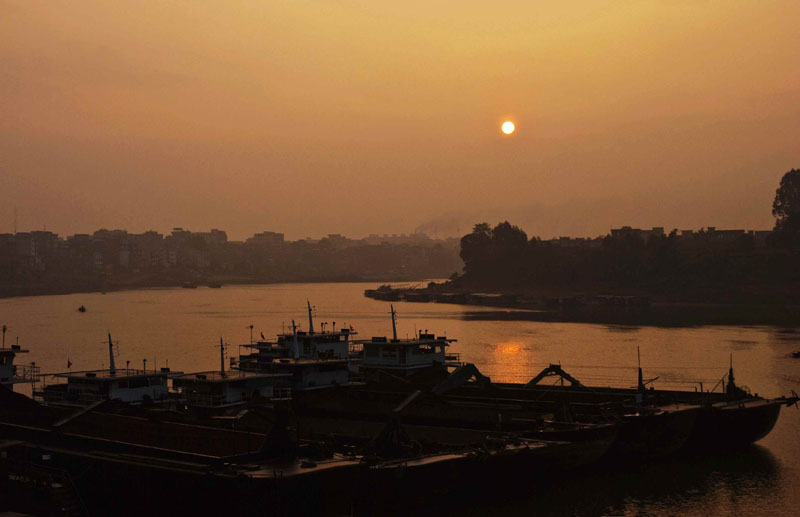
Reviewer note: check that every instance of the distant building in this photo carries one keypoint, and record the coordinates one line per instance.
(576, 242)
(645, 235)
(266, 239)
(414, 238)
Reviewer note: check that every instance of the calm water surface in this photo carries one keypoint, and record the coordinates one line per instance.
(180, 327)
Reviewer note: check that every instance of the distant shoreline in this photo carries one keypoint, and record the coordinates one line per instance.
(604, 309)
(7, 292)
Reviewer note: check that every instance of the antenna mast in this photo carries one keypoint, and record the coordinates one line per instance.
(221, 357)
(641, 381)
(112, 367)
(295, 345)
(310, 319)
(394, 323)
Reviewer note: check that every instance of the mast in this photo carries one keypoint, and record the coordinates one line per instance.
(221, 357)
(4, 335)
(394, 323)
(731, 384)
(112, 368)
(310, 319)
(641, 381)
(295, 345)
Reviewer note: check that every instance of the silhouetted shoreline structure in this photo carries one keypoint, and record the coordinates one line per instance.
(631, 275)
(41, 262)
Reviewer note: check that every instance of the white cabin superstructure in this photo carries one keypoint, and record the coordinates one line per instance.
(311, 359)
(86, 387)
(423, 351)
(218, 390)
(407, 356)
(10, 373)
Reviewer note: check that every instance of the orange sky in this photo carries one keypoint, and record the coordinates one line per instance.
(312, 117)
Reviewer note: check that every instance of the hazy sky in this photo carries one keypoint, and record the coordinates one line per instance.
(313, 117)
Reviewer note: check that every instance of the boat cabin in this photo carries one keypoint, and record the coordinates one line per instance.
(307, 374)
(10, 373)
(424, 351)
(324, 345)
(309, 359)
(406, 356)
(218, 390)
(87, 387)
(306, 345)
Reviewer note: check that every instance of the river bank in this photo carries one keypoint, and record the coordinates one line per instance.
(15, 291)
(605, 309)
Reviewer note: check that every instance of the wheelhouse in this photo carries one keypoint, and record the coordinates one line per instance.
(217, 390)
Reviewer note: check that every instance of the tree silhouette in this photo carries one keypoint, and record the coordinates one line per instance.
(786, 209)
(476, 249)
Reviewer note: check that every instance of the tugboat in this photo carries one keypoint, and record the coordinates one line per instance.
(84, 388)
(81, 309)
(312, 359)
(11, 374)
(219, 392)
(424, 355)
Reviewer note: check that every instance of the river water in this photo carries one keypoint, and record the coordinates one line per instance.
(181, 328)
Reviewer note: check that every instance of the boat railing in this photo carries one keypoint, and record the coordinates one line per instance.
(206, 400)
(217, 400)
(27, 373)
(73, 397)
(453, 359)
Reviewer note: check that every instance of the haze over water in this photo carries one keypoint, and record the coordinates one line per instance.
(183, 325)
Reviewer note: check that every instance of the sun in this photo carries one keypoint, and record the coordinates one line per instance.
(507, 127)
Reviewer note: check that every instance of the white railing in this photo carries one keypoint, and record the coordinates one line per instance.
(75, 397)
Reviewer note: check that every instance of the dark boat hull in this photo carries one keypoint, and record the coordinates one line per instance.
(733, 425)
(643, 437)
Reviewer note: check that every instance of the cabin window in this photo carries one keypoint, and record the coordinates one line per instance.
(138, 382)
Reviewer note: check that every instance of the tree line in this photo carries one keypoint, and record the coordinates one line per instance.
(504, 257)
